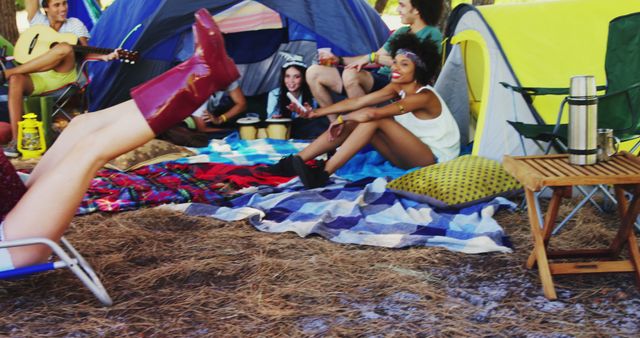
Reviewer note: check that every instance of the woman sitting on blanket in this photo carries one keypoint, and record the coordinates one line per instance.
(415, 130)
(292, 80)
(58, 183)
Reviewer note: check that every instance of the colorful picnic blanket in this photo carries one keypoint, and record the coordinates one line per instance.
(217, 174)
(171, 182)
(363, 212)
(233, 150)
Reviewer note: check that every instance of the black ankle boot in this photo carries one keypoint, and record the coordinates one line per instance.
(284, 167)
(311, 176)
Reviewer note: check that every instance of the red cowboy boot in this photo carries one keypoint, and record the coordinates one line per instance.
(174, 95)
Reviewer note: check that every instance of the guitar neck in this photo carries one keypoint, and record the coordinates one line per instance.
(94, 50)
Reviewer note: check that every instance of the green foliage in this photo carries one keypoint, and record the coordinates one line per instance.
(19, 5)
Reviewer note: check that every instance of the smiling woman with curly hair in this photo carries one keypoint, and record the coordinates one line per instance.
(416, 129)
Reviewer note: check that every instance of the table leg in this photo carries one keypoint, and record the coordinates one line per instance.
(539, 248)
(628, 214)
(549, 223)
(634, 256)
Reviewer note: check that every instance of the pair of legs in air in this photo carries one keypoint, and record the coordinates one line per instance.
(61, 178)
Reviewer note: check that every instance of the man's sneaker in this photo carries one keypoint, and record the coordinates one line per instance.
(311, 176)
(11, 149)
(284, 167)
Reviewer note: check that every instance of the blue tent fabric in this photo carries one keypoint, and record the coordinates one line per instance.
(166, 22)
(88, 11)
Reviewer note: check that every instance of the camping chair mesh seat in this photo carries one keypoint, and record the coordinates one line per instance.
(618, 108)
(11, 190)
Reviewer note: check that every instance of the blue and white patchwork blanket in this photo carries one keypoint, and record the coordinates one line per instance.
(233, 150)
(363, 212)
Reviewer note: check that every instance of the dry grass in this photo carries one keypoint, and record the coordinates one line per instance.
(174, 275)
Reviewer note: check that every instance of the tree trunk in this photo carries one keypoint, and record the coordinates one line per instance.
(380, 5)
(8, 26)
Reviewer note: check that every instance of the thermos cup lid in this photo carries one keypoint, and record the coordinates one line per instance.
(583, 86)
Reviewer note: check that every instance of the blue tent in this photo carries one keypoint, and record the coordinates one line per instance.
(88, 11)
(349, 27)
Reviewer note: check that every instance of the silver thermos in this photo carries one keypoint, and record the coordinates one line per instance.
(583, 120)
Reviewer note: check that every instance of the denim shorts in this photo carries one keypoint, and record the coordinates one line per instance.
(5, 257)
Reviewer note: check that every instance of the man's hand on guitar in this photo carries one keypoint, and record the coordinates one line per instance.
(112, 56)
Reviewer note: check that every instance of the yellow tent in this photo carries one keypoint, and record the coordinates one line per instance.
(542, 43)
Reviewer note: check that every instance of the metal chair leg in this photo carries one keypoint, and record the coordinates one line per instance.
(72, 260)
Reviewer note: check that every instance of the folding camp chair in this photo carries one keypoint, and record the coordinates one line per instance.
(618, 108)
(69, 258)
(53, 102)
(61, 96)
(10, 191)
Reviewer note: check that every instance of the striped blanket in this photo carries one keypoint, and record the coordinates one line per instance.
(363, 212)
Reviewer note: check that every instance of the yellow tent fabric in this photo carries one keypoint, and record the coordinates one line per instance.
(544, 43)
(534, 44)
(548, 42)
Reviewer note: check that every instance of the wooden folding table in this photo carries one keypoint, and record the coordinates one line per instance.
(554, 171)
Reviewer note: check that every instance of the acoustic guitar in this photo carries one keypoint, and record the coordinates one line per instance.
(38, 39)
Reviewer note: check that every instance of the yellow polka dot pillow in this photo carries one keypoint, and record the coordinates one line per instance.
(457, 183)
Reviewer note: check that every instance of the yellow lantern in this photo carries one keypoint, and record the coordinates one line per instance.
(31, 141)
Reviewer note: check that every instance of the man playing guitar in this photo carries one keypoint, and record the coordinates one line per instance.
(49, 71)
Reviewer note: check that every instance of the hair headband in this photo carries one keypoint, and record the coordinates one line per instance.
(293, 60)
(411, 56)
(294, 63)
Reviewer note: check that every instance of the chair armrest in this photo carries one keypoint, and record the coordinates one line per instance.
(542, 90)
(622, 91)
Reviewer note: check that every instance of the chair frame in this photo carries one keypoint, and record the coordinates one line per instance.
(69, 258)
(65, 93)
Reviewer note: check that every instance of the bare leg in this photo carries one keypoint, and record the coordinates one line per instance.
(322, 145)
(394, 142)
(51, 202)
(357, 83)
(79, 130)
(59, 58)
(19, 86)
(322, 81)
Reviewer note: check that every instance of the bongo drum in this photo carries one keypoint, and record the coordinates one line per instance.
(248, 127)
(279, 128)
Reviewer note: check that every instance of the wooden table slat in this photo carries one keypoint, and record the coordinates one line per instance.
(554, 170)
(618, 169)
(566, 166)
(628, 163)
(544, 169)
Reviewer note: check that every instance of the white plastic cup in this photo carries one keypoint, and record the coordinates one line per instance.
(325, 57)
